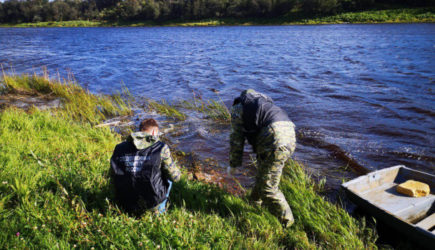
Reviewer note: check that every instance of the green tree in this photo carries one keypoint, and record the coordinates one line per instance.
(235, 8)
(216, 8)
(281, 7)
(150, 10)
(320, 6)
(89, 9)
(130, 8)
(2, 13)
(356, 4)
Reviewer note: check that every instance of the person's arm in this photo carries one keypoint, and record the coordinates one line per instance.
(237, 138)
(169, 166)
(115, 167)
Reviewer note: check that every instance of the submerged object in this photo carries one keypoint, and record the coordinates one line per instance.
(413, 188)
(376, 193)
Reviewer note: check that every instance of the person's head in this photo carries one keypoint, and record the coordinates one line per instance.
(252, 94)
(150, 126)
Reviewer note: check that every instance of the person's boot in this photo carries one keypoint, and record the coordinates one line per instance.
(257, 203)
(287, 220)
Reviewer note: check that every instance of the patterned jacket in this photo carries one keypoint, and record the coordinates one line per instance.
(142, 140)
(267, 139)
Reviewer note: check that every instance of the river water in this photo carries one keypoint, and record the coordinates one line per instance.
(360, 92)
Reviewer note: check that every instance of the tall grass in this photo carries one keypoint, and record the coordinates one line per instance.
(212, 109)
(77, 102)
(164, 108)
(215, 110)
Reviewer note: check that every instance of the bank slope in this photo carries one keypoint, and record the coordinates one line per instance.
(55, 192)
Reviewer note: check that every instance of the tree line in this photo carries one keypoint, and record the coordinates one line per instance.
(18, 11)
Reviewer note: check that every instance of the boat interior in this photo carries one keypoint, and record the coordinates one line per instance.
(379, 188)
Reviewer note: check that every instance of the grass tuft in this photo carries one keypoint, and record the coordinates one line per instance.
(215, 110)
(164, 108)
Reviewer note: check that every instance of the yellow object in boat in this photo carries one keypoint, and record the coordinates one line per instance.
(413, 188)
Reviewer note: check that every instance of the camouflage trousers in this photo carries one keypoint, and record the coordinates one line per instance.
(266, 191)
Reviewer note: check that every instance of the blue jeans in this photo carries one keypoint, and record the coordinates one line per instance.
(162, 207)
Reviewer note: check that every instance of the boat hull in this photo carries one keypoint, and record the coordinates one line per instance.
(376, 194)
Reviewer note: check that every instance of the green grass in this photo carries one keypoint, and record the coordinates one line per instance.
(164, 108)
(77, 102)
(403, 15)
(389, 15)
(214, 110)
(75, 23)
(55, 192)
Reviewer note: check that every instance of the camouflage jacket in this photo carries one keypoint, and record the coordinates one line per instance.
(269, 138)
(142, 140)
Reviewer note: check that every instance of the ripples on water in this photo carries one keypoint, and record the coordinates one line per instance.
(367, 90)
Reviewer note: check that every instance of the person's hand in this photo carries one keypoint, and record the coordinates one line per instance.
(231, 171)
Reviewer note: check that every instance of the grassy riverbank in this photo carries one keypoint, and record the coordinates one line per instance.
(55, 190)
(397, 15)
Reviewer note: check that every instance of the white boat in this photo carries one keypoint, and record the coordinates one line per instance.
(376, 193)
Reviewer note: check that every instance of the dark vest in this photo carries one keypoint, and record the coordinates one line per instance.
(141, 182)
(258, 112)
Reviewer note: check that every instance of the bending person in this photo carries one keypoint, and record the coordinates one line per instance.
(272, 136)
(142, 170)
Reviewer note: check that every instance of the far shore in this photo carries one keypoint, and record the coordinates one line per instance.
(402, 15)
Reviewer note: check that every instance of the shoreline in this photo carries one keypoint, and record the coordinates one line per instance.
(387, 16)
(61, 155)
(66, 24)
(63, 25)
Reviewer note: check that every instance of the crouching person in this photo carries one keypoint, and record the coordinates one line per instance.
(143, 170)
(271, 133)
